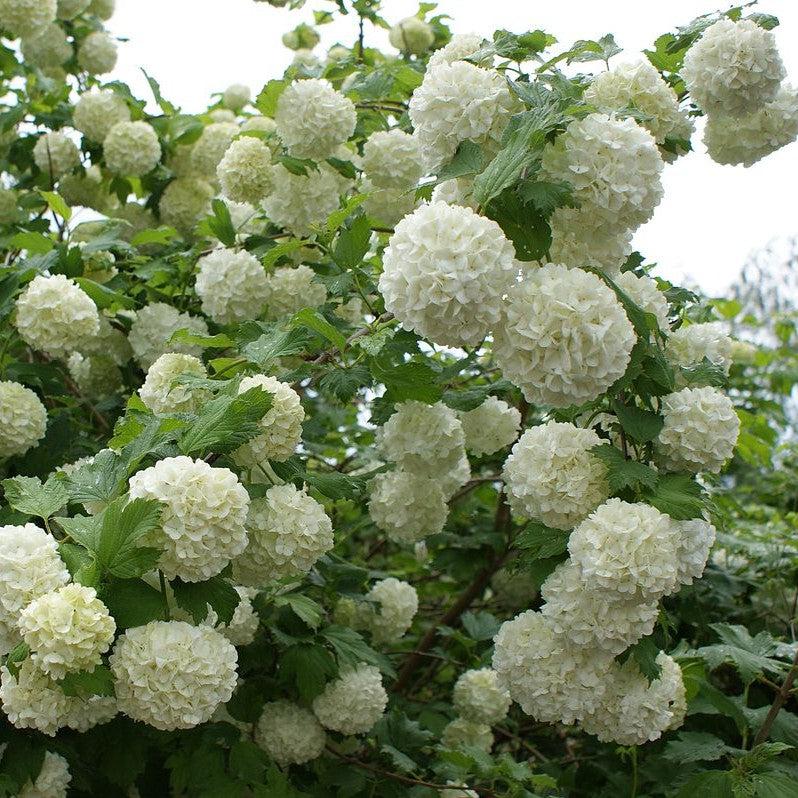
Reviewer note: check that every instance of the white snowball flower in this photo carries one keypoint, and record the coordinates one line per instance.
(132, 149)
(288, 532)
(691, 344)
(406, 506)
(614, 167)
(700, 430)
(627, 548)
(462, 732)
(210, 148)
(163, 394)
(153, 328)
(82, 714)
(564, 338)
(27, 17)
(202, 525)
(392, 159)
(578, 239)
(236, 96)
(412, 36)
(459, 102)
(387, 206)
(245, 172)
(395, 605)
(353, 311)
(595, 618)
(747, 139)
(644, 293)
(31, 700)
(184, 202)
(445, 271)
(734, 68)
(695, 541)
(243, 626)
(281, 426)
(95, 376)
(313, 119)
(297, 202)
(490, 427)
(291, 288)
(354, 702)
(23, 419)
(232, 286)
(69, 9)
(289, 734)
(48, 49)
(53, 779)
(67, 630)
(460, 47)
(458, 191)
(305, 61)
(138, 218)
(98, 53)
(86, 190)
(550, 679)
(480, 698)
(552, 476)
(104, 9)
(261, 124)
(97, 111)
(55, 315)
(109, 342)
(173, 675)
(55, 154)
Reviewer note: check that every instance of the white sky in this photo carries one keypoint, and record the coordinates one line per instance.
(712, 216)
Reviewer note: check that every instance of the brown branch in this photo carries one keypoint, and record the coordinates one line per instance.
(778, 703)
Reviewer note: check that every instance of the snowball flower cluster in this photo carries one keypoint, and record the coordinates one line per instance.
(700, 430)
(69, 9)
(236, 96)
(232, 286)
(104, 9)
(55, 154)
(162, 393)
(461, 732)
(564, 338)
(132, 149)
(354, 702)
(97, 54)
(445, 271)
(27, 17)
(395, 605)
(173, 675)
(412, 36)
(480, 698)
(459, 47)
(184, 202)
(98, 111)
(96, 376)
(734, 68)
(291, 288)
(210, 148)
(696, 537)
(245, 172)
(67, 630)
(153, 328)
(53, 779)
(55, 315)
(387, 206)
(23, 419)
(644, 293)
(289, 734)
(392, 159)
(552, 476)
(299, 201)
(202, 525)
(48, 49)
(243, 626)
(691, 344)
(577, 240)
(288, 532)
(490, 427)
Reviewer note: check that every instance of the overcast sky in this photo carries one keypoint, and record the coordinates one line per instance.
(712, 216)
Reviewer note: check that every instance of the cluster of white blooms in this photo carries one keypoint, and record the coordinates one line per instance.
(480, 698)
(460, 47)
(458, 191)
(469, 733)
(565, 337)
(392, 159)
(552, 476)
(153, 328)
(734, 68)
(387, 206)
(281, 426)
(245, 172)
(288, 532)
(55, 315)
(49, 48)
(53, 779)
(291, 288)
(69, 9)
(299, 201)
(243, 626)
(691, 344)
(23, 419)
(98, 53)
(184, 202)
(411, 36)
(289, 734)
(96, 376)
(85, 189)
(96, 112)
(55, 154)
(459, 102)
(490, 427)
(27, 17)
(173, 675)
(109, 342)
(699, 432)
(395, 606)
(236, 96)
(232, 286)
(162, 393)
(67, 629)
(445, 271)
(131, 149)
(695, 540)
(354, 702)
(210, 148)
(104, 9)
(202, 526)
(576, 240)
(262, 124)
(644, 293)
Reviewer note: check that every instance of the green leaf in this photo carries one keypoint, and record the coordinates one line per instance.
(623, 473)
(352, 243)
(480, 625)
(277, 343)
(468, 160)
(133, 602)
(99, 681)
(266, 101)
(83, 529)
(644, 653)
(34, 243)
(155, 87)
(677, 495)
(344, 383)
(158, 235)
(218, 341)
(522, 224)
(408, 381)
(640, 425)
(247, 761)
(703, 374)
(16, 657)
(541, 541)
(123, 524)
(350, 649)
(195, 597)
(312, 319)
(221, 224)
(104, 297)
(57, 204)
(750, 656)
(305, 608)
(710, 784)
(28, 495)
(545, 196)
(308, 667)
(22, 759)
(344, 168)
(692, 746)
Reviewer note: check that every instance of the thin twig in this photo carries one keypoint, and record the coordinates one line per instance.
(778, 703)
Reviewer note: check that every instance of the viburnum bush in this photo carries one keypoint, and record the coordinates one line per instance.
(349, 449)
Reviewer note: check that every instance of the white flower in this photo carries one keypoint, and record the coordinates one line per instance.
(395, 605)
(31, 700)
(299, 201)
(387, 206)
(282, 424)
(163, 394)
(55, 154)
(458, 191)
(551, 680)
(55, 315)
(67, 630)
(480, 698)
(222, 115)
(700, 430)
(578, 239)
(245, 172)
(627, 547)
(353, 311)
(644, 293)
(95, 376)
(695, 540)
(172, 675)
(291, 288)
(313, 119)
(734, 68)
(49, 48)
(202, 525)
(210, 148)
(747, 139)
(98, 53)
(305, 61)
(288, 532)
(86, 190)
(83, 713)
(490, 427)
(691, 344)
(232, 285)
(564, 338)
(243, 626)
(463, 732)
(153, 328)
(27, 17)
(138, 218)
(614, 167)
(53, 779)
(96, 112)
(184, 202)
(406, 506)
(354, 702)
(412, 36)
(460, 47)
(109, 342)
(392, 159)
(552, 476)
(69, 9)
(262, 124)
(104, 9)
(132, 149)
(445, 271)
(289, 734)
(23, 419)
(236, 96)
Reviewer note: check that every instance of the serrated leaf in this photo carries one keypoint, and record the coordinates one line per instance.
(640, 425)
(266, 101)
(28, 495)
(305, 608)
(133, 602)
(308, 667)
(221, 223)
(98, 481)
(468, 160)
(408, 381)
(692, 746)
(710, 784)
(350, 649)
(522, 224)
(480, 625)
(247, 761)
(16, 657)
(545, 196)
(344, 383)
(623, 473)
(644, 653)
(216, 592)
(677, 495)
(123, 524)
(352, 243)
(277, 343)
(313, 320)
(83, 529)
(104, 297)
(99, 681)
(750, 656)
(57, 204)
(541, 541)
